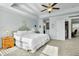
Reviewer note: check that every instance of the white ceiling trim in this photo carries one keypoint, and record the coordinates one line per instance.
(32, 7)
(17, 12)
(22, 8)
(27, 10)
(8, 4)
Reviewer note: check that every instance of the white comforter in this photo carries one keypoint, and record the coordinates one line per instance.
(32, 40)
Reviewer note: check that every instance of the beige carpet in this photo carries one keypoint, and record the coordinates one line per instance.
(6, 51)
(66, 48)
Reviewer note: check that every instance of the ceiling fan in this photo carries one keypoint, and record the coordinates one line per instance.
(50, 7)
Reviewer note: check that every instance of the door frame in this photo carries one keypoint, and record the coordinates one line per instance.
(66, 29)
(70, 25)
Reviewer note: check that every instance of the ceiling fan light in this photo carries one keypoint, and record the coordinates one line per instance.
(49, 9)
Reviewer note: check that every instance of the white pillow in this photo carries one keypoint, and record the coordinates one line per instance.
(33, 30)
(24, 32)
(21, 32)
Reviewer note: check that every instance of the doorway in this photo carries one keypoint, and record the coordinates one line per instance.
(66, 29)
(75, 27)
(46, 26)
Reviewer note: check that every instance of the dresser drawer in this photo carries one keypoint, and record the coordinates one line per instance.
(5, 45)
(7, 42)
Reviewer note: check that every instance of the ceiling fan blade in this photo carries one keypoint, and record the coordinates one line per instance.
(43, 10)
(45, 6)
(55, 8)
(54, 4)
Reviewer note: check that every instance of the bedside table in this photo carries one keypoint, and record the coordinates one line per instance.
(8, 42)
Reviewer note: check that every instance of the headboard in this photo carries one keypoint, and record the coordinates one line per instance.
(24, 28)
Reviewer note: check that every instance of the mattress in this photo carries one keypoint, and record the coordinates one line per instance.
(35, 38)
(31, 41)
(22, 45)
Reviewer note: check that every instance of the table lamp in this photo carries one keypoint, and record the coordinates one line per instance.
(7, 33)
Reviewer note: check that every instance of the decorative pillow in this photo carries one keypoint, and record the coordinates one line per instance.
(21, 32)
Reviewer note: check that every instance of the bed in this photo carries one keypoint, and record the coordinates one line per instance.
(30, 41)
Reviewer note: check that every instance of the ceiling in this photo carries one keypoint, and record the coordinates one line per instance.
(34, 9)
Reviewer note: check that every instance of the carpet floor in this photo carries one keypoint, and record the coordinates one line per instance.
(69, 47)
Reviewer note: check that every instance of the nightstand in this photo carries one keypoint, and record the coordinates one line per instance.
(8, 42)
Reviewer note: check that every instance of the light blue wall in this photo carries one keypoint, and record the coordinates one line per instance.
(12, 22)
